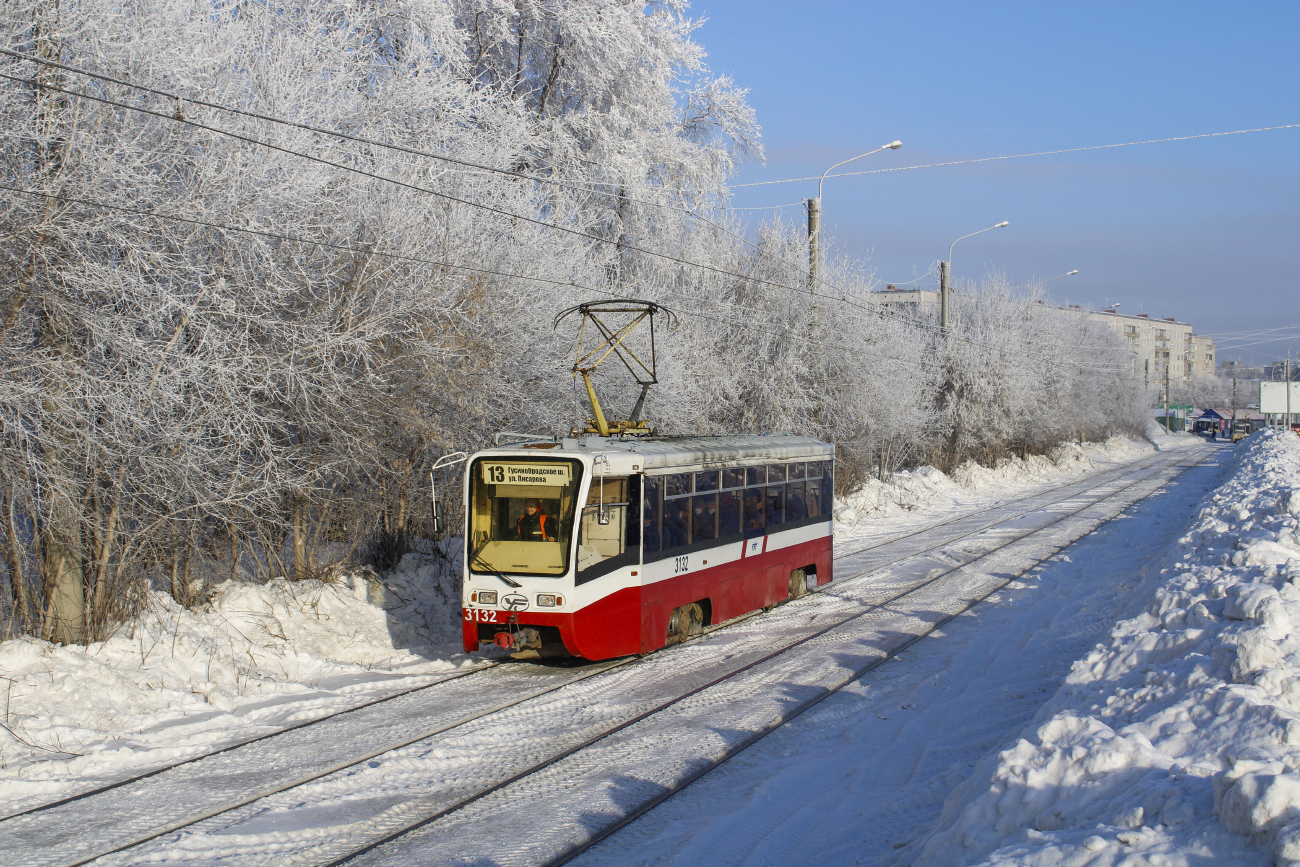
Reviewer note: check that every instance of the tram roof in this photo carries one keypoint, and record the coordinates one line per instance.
(676, 451)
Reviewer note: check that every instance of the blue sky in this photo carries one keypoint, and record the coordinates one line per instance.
(1207, 231)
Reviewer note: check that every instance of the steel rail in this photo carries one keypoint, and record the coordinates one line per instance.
(662, 706)
(240, 744)
(1149, 470)
(855, 675)
(88, 793)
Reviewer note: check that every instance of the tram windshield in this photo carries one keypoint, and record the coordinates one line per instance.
(521, 515)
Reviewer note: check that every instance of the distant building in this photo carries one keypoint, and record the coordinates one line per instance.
(1160, 346)
(1157, 344)
(920, 301)
(1241, 370)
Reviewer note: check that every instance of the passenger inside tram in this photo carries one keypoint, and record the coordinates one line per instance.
(703, 519)
(650, 534)
(794, 507)
(753, 513)
(676, 523)
(729, 514)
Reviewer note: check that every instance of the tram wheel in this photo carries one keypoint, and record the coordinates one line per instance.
(685, 622)
(798, 583)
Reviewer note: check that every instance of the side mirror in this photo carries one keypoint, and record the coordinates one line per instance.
(602, 516)
(437, 519)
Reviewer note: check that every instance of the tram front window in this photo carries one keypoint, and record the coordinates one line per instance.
(521, 515)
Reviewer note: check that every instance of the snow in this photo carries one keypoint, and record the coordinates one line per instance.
(1183, 727)
(254, 659)
(257, 658)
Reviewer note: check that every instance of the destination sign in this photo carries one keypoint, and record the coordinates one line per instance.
(527, 474)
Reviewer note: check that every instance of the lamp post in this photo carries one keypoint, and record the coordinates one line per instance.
(1288, 382)
(946, 266)
(1059, 276)
(815, 214)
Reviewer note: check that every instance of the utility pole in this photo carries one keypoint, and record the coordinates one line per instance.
(1288, 388)
(1168, 429)
(814, 233)
(943, 298)
(1232, 428)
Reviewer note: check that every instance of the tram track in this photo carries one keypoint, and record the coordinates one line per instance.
(1054, 495)
(358, 856)
(1145, 472)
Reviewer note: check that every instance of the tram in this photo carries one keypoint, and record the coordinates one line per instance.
(605, 546)
(615, 541)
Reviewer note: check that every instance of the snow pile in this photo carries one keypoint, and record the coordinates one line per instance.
(255, 658)
(914, 490)
(1184, 731)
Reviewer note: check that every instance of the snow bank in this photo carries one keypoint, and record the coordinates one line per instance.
(255, 658)
(1184, 729)
(914, 490)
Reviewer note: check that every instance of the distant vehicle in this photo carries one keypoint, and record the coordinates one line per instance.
(1241, 429)
(601, 547)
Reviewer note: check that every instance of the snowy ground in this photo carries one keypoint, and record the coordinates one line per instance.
(260, 657)
(1171, 741)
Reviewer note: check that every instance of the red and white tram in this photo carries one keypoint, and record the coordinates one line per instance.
(601, 547)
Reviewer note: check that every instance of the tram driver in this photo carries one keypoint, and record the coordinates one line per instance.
(534, 525)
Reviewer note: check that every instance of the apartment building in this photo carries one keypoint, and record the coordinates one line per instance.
(917, 301)
(1156, 344)
(1160, 345)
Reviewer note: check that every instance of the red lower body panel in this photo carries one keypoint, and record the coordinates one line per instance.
(635, 619)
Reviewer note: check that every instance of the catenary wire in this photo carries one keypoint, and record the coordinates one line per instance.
(711, 315)
(879, 309)
(1020, 156)
(586, 185)
(920, 323)
(872, 306)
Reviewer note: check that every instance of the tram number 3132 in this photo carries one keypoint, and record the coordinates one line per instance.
(681, 564)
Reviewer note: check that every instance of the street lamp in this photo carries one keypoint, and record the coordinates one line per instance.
(815, 213)
(1066, 274)
(946, 266)
(1288, 382)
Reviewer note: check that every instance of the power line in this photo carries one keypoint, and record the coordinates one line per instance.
(285, 237)
(880, 309)
(478, 166)
(584, 186)
(1020, 156)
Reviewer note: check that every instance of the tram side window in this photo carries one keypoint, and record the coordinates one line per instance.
(795, 502)
(813, 501)
(753, 512)
(677, 522)
(650, 534)
(797, 471)
(775, 509)
(704, 517)
(729, 513)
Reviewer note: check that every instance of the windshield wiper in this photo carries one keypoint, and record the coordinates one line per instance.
(477, 558)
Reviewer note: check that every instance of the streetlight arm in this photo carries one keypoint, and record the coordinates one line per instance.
(1059, 276)
(1001, 225)
(894, 145)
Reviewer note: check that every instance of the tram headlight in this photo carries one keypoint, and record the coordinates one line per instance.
(546, 600)
(484, 597)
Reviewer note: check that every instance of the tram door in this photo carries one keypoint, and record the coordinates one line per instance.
(609, 531)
